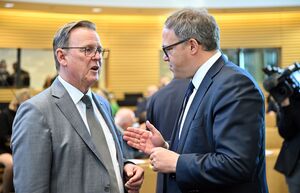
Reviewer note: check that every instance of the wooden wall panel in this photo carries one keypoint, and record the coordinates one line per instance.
(134, 41)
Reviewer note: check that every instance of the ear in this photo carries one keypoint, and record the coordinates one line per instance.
(61, 56)
(194, 45)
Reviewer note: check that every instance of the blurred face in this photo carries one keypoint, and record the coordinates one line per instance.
(77, 68)
(178, 55)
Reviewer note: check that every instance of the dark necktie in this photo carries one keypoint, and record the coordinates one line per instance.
(99, 141)
(187, 95)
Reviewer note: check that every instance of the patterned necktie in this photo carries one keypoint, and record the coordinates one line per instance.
(99, 141)
(187, 95)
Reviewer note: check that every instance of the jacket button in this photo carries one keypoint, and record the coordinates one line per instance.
(106, 188)
(173, 176)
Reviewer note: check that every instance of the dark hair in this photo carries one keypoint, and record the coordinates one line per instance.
(61, 38)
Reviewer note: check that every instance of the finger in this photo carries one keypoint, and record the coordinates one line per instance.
(132, 138)
(129, 174)
(134, 185)
(136, 178)
(150, 127)
(135, 130)
(133, 189)
(135, 145)
(151, 157)
(131, 134)
(154, 169)
(130, 188)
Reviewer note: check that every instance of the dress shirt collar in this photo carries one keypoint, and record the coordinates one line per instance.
(74, 93)
(201, 72)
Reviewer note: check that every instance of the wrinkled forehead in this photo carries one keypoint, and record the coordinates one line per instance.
(84, 36)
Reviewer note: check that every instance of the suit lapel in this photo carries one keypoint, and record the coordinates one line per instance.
(202, 90)
(111, 127)
(68, 108)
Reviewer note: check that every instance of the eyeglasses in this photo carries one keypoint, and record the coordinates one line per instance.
(90, 51)
(166, 49)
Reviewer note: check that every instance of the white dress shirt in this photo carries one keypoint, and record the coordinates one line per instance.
(197, 79)
(76, 96)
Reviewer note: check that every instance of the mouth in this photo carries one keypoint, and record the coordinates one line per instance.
(95, 68)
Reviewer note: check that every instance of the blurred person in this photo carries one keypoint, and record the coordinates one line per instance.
(218, 142)
(272, 106)
(60, 136)
(143, 103)
(113, 103)
(165, 105)
(164, 81)
(24, 77)
(141, 120)
(49, 80)
(111, 99)
(164, 108)
(125, 118)
(103, 93)
(288, 123)
(6, 119)
(3, 74)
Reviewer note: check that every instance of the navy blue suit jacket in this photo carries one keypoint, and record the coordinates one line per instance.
(164, 106)
(222, 142)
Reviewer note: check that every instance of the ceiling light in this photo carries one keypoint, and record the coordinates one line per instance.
(9, 5)
(96, 10)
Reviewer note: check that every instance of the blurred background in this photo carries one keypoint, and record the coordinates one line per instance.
(254, 34)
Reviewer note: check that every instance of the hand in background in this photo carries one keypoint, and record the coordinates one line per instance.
(285, 102)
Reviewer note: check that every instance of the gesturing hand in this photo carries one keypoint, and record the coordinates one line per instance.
(142, 139)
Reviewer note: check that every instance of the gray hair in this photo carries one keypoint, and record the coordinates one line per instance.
(61, 38)
(197, 24)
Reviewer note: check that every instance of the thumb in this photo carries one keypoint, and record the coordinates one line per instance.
(151, 127)
(129, 173)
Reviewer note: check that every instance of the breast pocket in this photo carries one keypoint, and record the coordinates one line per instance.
(199, 136)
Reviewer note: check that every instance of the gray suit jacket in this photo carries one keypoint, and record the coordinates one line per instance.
(52, 149)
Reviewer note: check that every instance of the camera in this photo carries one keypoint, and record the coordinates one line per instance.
(282, 83)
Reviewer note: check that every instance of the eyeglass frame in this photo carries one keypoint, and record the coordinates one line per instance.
(98, 49)
(168, 48)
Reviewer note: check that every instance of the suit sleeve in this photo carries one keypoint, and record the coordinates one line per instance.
(233, 117)
(31, 146)
(149, 114)
(287, 120)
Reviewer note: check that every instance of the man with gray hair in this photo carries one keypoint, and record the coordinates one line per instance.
(64, 139)
(218, 143)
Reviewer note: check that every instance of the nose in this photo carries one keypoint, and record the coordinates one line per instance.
(98, 56)
(166, 58)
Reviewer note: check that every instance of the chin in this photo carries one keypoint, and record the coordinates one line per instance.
(177, 76)
(92, 80)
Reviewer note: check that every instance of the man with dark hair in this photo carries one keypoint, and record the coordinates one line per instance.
(22, 76)
(288, 161)
(164, 106)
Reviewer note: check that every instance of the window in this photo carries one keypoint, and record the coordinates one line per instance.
(39, 63)
(254, 59)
